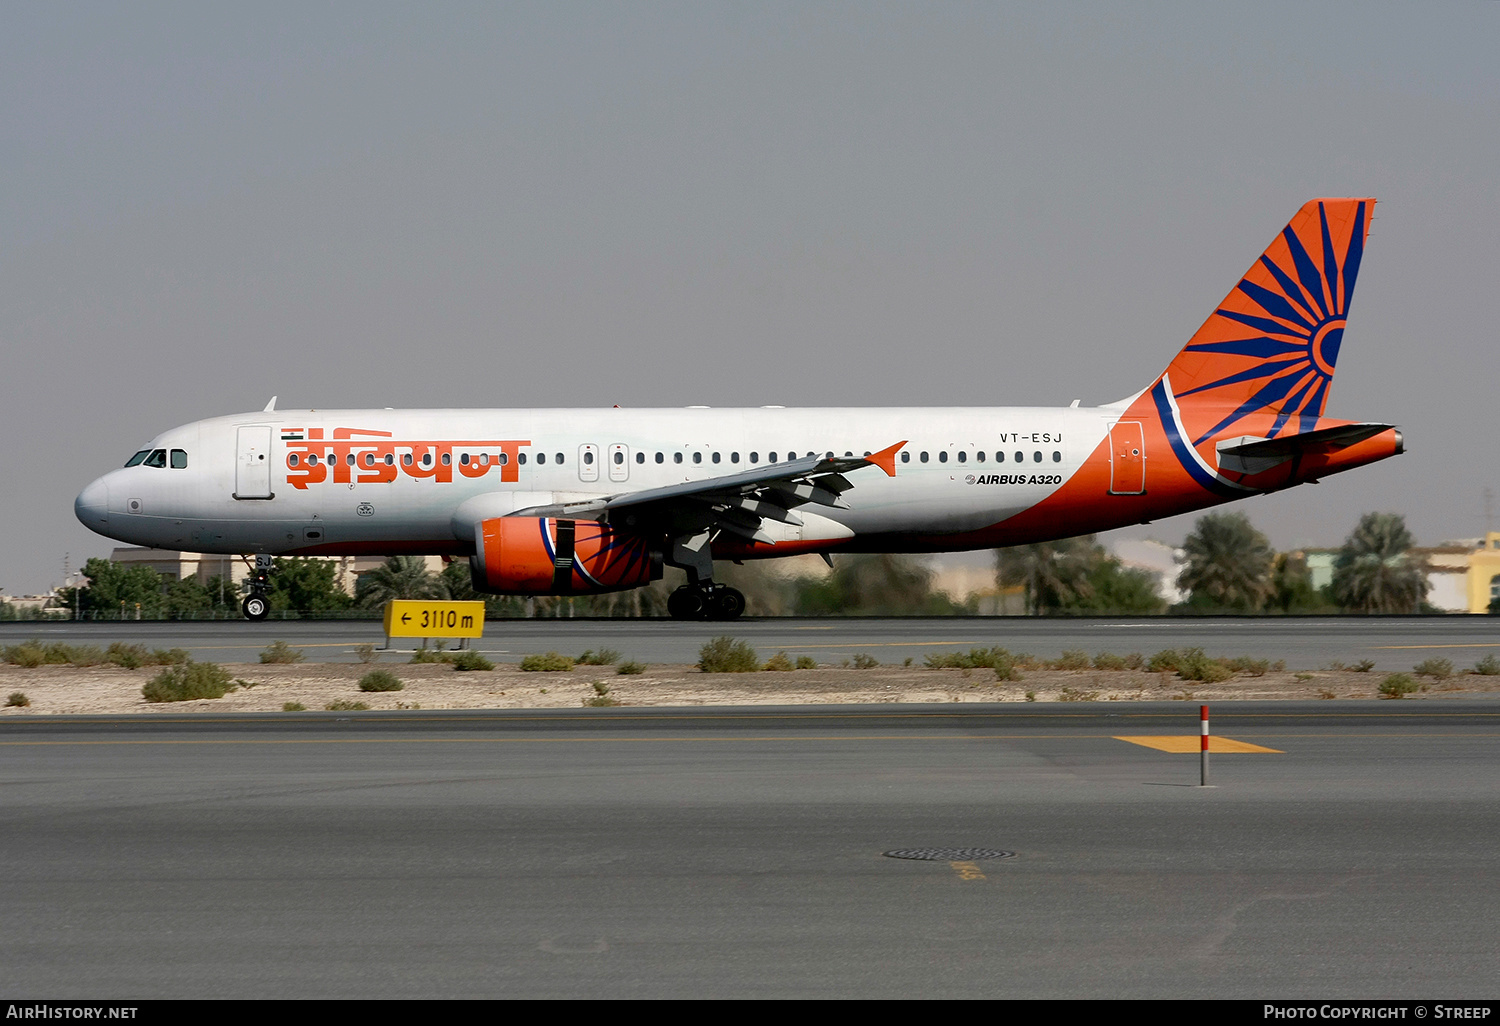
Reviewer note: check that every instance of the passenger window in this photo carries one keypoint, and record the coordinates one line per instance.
(716, 457)
(906, 457)
(963, 457)
(923, 457)
(520, 458)
(847, 454)
(447, 459)
(312, 459)
(138, 457)
(541, 458)
(390, 460)
(660, 458)
(734, 457)
(158, 458)
(791, 456)
(179, 459)
(640, 457)
(1020, 457)
(979, 456)
(558, 459)
(999, 457)
(406, 459)
(697, 457)
(463, 459)
(1037, 456)
(943, 456)
(504, 458)
(588, 459)
(370, 459)
(755, 457)
(292, 459)
(677, 457)
(619, 458)
(1056, 456)
(427, 459)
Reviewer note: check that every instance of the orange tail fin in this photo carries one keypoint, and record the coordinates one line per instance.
(1266, 356)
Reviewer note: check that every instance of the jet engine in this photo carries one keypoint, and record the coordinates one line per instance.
(549, 556)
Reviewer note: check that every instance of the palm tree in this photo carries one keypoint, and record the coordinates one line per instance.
(1055, 574)
(1228, 563)
(401, 577)
(1374, 572)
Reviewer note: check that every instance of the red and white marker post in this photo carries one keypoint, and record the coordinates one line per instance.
(1203, 753)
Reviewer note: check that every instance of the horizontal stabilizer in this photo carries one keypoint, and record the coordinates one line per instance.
(1248, 455)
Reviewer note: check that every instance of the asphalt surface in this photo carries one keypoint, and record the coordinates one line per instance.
(1305, 643)
(712, 852)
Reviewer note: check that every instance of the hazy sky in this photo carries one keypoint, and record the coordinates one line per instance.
(730, 204)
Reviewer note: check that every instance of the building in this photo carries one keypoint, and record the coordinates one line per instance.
(1484, 572)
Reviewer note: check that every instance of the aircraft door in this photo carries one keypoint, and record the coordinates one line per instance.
(1127, 458)
(619, 462)
(252, 463)
(588, 463)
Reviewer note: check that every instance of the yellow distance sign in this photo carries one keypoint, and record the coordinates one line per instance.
(416, 618)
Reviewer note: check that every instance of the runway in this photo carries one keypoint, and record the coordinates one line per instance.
(1393, 643)
(714, 853)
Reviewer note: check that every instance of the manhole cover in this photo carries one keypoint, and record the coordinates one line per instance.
(949, 854)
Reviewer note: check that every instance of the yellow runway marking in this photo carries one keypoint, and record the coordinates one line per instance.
(1184, 744)
(967, 870)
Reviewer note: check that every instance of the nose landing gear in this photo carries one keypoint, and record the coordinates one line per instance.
(256, 606)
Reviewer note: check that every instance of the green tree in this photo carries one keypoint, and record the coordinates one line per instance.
(1057, 575)
(1292, 590)
(873, 584)
(187, 596)
(400, 577)
(1122, 589)
(1227, 564)
(306, 585)
(1375, 572)
(114, 589)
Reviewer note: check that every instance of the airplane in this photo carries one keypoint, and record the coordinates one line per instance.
(570, 502)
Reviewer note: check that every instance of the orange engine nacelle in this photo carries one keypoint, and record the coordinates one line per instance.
(547, 556)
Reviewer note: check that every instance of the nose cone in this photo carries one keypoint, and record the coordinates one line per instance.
(92, 506)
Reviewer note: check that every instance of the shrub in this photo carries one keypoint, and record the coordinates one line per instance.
(1031, 696)
(428, 655)
(469, 659)
(18, 699)
(1363, 666)
(779, 663)
(1074, 695)
(380, 680)
(1072, 659)
(1246, 665)
(603, 657)
(1192, 664)
(1135, 661)
(1165, 661)
(986, 657)
(601, 696)
(170, 656)
(85, 655)
(281, 652)
(128, 657)
(28, 653)
(293, 707)
(1489, 666)
(365, 653)
(1397, 685)
(1442, 669)
(1108, 661)
(629, 667)
(809, 663)
(865, 661)
(726, 655)
(549, 663)
(187, 682)
(346, 705)
(58, 654)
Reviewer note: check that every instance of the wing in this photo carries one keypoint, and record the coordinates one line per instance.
(736, 503)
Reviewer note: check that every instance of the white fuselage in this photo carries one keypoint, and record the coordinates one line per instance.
(263, 483)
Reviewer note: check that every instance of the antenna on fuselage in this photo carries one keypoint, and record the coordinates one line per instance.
(270, 406)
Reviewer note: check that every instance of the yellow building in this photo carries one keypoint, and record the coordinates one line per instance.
(1484, 573)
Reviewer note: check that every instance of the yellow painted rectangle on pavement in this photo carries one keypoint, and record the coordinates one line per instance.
(420, 618)
(1185, 744)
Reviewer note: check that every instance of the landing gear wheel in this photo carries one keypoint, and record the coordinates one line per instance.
(726, 604)
(255, 607)
(685, 604)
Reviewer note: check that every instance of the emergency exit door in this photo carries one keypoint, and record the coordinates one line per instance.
(1127, 458)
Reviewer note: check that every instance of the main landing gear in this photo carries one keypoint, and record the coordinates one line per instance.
(256, 606)
(715, 602)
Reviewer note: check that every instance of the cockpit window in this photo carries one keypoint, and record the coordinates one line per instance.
(158, 458)
(179, 459)
(138, 457)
